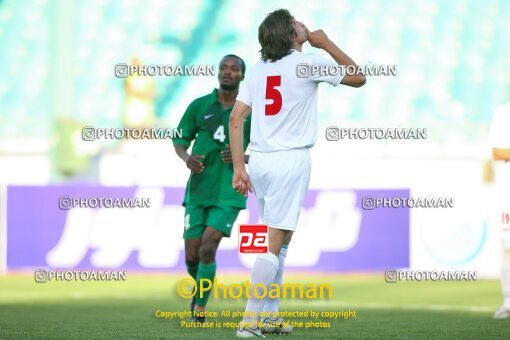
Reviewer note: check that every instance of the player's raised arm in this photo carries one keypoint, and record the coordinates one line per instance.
(240, 181)
(319, 39)
(501, 154)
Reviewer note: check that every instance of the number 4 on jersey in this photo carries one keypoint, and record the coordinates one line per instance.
(220, 134)
(274, 94)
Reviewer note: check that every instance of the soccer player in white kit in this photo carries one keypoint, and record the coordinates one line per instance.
(281, 92)
(500, 141)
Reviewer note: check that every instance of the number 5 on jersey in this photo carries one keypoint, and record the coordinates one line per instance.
(273, 94)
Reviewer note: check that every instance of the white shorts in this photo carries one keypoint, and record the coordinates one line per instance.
(280, 181)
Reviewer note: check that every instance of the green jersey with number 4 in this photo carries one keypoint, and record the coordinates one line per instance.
(206, 122)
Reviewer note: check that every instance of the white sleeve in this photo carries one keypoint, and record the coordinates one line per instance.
(499, 135)
(324, 70)
(244, 94)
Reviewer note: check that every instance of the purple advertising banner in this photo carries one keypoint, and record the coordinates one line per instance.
(335, 232)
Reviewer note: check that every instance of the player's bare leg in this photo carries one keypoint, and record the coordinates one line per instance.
(503, 312)
(207, 266)
(272, 323)
(263, 273)
(191, 251)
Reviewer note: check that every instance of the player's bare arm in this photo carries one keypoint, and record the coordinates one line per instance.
(241, 180)
(501, 154)
(319, 39)
(226, 155)
(192, 161)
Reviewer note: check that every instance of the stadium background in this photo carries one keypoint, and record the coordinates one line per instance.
(57, 65)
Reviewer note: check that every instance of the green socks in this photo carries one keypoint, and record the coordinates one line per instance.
(192, 269)
(202, 272)
(205, 272)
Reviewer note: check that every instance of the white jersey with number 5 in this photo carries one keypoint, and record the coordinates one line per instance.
(283, 99)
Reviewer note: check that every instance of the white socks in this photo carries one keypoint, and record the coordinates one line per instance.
(271, 305)
(263, 272)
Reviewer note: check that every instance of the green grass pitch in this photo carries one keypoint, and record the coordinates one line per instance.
(403, 310)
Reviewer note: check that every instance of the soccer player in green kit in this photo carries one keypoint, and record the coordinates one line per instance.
(212, 205)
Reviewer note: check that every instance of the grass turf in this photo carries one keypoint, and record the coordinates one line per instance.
(403, 310)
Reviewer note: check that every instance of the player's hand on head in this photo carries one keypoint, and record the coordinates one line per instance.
(317, 39)
(194, 164)
(241, 182)
(226, 155)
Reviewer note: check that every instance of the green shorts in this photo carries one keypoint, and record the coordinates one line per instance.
(198, 217)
